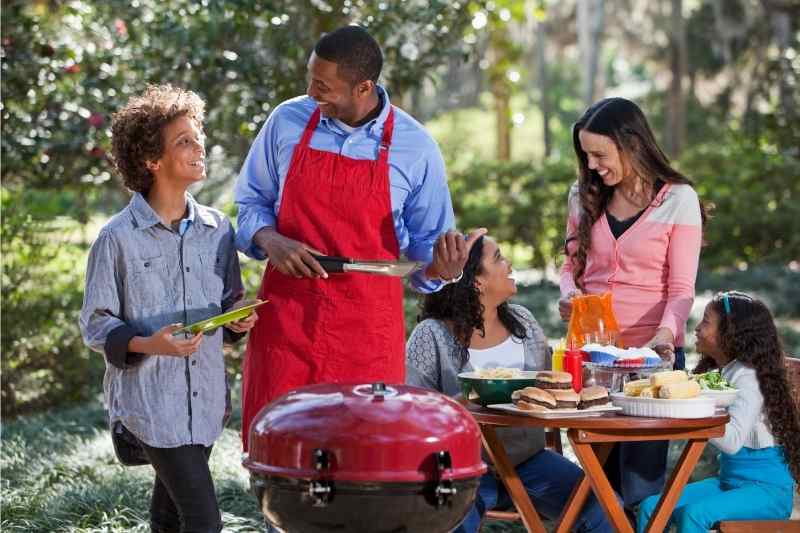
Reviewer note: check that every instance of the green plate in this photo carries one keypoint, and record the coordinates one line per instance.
(486, 391)
(210, 324)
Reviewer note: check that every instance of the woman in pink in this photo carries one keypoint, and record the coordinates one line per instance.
(634, 229)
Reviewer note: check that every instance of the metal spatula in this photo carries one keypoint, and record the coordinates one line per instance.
(333, 264)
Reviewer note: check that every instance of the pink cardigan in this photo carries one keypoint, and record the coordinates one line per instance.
(650, 270)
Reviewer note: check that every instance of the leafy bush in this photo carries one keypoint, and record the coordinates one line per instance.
(754, 185)
(518, 202)
(44, 360)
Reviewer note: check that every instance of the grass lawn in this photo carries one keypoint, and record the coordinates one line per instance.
(59, 472)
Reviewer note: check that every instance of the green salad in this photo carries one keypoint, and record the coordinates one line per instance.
(713, 381)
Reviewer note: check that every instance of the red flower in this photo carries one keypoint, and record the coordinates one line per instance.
(121, 28)
(96, 119)
(72, 69)
(97, 152)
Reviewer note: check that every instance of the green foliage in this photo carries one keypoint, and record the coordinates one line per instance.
(44, 361)
(68, 65)
(520, 203)
(754, 186)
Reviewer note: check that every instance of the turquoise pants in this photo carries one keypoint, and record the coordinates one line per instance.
(752, 485)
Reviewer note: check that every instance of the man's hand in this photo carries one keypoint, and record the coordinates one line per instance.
(450, 254)
(243, 324)
(163, 342)
(290, 257)
(565, 305)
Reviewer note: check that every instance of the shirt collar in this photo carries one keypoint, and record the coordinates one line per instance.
(377, 122)
(146, 217)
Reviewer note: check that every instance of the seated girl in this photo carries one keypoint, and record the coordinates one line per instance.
(761, 446)
(470, 324)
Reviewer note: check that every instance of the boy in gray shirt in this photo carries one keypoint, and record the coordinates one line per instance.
(161, 262)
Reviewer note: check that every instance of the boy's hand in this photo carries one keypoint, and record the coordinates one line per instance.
(243, 324)
(162, 342)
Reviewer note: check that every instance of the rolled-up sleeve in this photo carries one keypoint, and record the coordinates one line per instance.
(257, 188)
(100, 321)
(567, 282)
(427, 213)
(683, 256)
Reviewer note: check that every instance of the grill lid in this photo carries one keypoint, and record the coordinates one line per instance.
(367, 432)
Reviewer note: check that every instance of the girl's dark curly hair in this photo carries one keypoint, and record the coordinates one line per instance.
(748, 334)
(137, 130)
(460, 306)
(624, 123)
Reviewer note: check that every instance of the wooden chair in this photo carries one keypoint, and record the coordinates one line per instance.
(552, 441)
(771, 526)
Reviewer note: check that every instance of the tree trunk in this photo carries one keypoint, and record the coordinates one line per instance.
(502, 111)
(544, 89)
(676, 118)
(590, 26)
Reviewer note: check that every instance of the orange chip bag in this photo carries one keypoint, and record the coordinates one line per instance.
(592, 320)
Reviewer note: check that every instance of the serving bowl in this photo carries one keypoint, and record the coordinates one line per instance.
(486, 391)
(722, 398)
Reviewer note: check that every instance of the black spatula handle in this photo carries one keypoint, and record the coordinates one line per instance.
(332, 264)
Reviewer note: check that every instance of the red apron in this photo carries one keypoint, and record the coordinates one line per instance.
(349, 327)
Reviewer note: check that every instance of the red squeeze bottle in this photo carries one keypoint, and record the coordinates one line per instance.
(573, 363)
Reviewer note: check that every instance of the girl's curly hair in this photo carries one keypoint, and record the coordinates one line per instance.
(748, 334)
(624, 123)
(137, 130)
(459, 304)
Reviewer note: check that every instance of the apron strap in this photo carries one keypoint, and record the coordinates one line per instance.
(310, 127)
(386, 139)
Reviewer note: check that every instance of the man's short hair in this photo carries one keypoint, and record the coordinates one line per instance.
(354, 51)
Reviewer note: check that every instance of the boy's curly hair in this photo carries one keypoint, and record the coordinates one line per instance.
(137, 128)
(748, 334)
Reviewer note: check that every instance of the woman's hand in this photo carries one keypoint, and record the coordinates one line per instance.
(565, 304)
(664, 344)
(163, 342)
(243, 324)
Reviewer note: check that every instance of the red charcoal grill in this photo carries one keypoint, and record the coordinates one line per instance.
(364, 459)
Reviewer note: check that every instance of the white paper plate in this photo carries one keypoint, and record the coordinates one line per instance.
(700, 407)
(557, 413)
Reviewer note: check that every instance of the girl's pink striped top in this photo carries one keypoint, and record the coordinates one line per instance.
(650, 270)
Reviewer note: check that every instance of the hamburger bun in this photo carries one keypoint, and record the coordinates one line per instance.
(528, 406)
(592, 396)
(553, 380)
(533, 396)
(566, 399)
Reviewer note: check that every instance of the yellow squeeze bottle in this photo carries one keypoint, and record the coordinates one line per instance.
(558, 357)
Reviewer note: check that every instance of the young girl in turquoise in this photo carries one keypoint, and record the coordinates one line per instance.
(760, 459)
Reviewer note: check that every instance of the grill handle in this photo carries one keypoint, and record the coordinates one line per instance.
(321, 490)
(444, 487)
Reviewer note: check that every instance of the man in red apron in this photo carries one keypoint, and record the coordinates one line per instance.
(339, 172)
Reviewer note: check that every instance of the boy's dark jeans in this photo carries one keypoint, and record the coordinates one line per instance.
(183, 495)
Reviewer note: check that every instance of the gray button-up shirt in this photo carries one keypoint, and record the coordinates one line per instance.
(141, 276)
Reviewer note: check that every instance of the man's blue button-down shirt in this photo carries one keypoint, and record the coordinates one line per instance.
(421, 205)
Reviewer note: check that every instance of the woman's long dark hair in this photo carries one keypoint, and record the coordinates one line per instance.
(748, 334)
(624, 123)
(459, 305)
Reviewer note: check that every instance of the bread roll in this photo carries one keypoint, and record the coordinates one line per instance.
(678, 391)
(665, 378)
(634, 388)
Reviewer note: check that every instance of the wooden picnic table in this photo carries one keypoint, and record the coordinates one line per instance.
(592, 439)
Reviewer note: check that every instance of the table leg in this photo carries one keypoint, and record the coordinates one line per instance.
(593, 470)
(689, 457)
(581, 491)
(511, 480)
